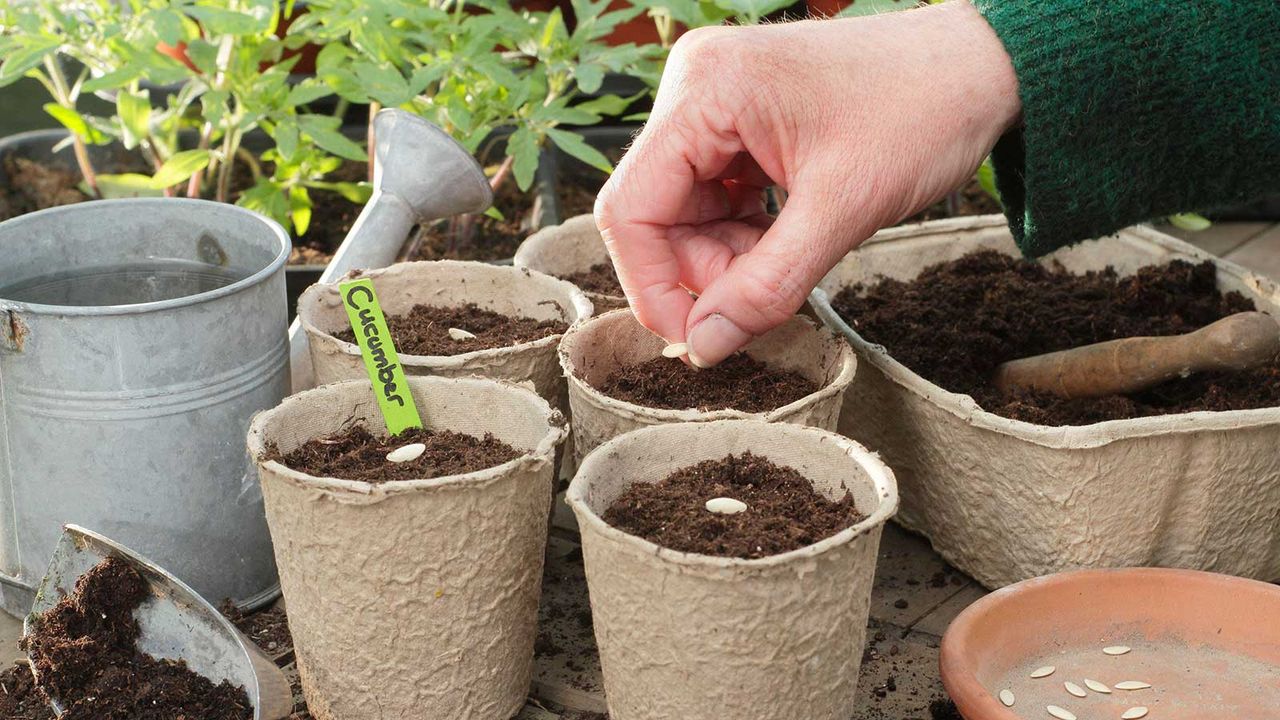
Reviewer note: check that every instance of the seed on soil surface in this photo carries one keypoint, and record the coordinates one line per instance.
(1060, 713)
(1132, 685)
(1075, 689)
(1116, 649)
(1045, 671)
(1134, 713)
(1006, 697)
(460, 334)
(1096, 686)
(675, 350)
(409, 452)
(726, 506)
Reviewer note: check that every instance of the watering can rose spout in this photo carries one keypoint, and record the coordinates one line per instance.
(420, 174)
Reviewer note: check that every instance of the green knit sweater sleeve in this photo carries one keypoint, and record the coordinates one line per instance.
(1135, 109)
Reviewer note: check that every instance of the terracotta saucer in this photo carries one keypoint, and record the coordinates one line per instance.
(1209, 646)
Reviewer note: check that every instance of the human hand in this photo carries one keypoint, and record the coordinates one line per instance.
(864, 121)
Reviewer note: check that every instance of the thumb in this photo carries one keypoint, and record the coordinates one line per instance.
(764, 287)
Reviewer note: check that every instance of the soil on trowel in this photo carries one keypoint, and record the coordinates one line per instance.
(357, 454)
(600, 278)
(19, 699)
(84, 650)
(783, 513)
(740, 382)
(480, 237)
(424, 330)
(959, 320)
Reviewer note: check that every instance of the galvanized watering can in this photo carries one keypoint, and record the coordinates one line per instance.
(138, 337)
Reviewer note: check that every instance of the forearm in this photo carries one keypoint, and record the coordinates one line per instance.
(1135, 109)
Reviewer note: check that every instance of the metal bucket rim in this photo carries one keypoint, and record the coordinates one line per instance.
(51, 214)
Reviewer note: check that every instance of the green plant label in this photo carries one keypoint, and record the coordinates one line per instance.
(380, 359)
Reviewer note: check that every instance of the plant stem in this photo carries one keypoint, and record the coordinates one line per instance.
(229, 146)
(63, 95)
(371, 136)
(193, 185)
(504, 170)
(251, 161)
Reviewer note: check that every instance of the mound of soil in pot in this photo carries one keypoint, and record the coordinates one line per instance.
(19, 699)
(957, 321)
(424, 330)
(740, 382)
(85, 653)
(33, 186)
(600, 278)
(490, 238)
(783, 513)
(357, 454)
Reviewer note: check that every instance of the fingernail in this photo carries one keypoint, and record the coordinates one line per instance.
(713, 339)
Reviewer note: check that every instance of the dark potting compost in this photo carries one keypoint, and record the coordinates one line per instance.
(357, 454)
(600, 278)
(19, 699)
(424, 330)
(957, 321)
(740, 382)
(84, 650)
(480, 237)
(33, 186)
(783, 513)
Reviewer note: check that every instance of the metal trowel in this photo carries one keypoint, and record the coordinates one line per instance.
(175, 623)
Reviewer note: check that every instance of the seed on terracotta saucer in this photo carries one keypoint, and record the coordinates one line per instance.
(1006, 697)
(412, 451)
(1060, 713)
(1132, 685)
(725, 506)
(1074, 689)
(460, 334)
(675, 350)
(1134, 713)
(1045, 671)
(1116, 649)
(1096, 686)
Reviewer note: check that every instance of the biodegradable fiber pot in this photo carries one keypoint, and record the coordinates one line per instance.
(572, 246)
(593, 351)
(1006, 500)
(416, 598)
(697, 637)
(506, 290)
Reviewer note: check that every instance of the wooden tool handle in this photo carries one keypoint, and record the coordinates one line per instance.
(1238, 342)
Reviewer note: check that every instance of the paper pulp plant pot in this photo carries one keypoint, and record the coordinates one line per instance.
(506, 290)
(593, 351)
(414, 598)
(697, 637)
(572, 246)
(126, 385)
(1006, 500)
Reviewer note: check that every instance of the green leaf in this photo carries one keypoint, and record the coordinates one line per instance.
(357, 192)
(134, 110)
(300, 209)
(180, 167)
(383, 83)
(307, 91)
(76, 123)
(114, 79)
(524, 148)
(495, 213)
(17, 64)
(986, 176)
(608, 104)
(220, 21)
(127, 185)
(286, 135)
(573, 144)
(875, 7)
(590, 77)
(323, 129)
(1190, 221)
(636, 117)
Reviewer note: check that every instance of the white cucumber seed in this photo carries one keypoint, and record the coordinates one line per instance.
(1097, 687)
(675, 350)
(1006, 697)
(1074, 689)
(1045, 671)
(460, 334)
(1134, 713)
(1116, 649)
(1132, 685)
(1060, 713)
(412, 451)
(725, 506)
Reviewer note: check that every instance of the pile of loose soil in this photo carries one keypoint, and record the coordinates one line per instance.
(957, 321)
(740, 382)
(784, 511)
(490, 238)
(357, 454)
(600, 278)
(424, 330)
(33, 186)
(84, 650)
(19, 699)
(331, 219)
(970, 199)
(268, 629)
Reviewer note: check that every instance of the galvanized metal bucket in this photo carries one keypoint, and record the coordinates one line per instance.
(130, 418)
